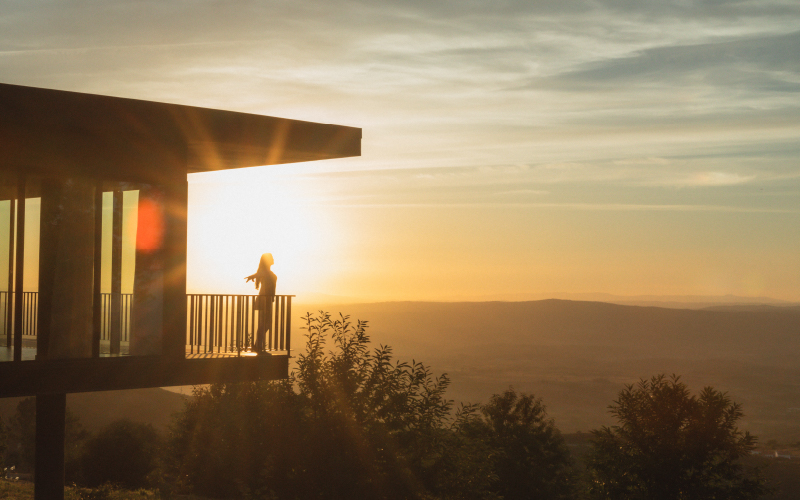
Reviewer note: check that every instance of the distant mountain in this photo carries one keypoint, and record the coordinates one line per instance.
(668, 301)
(578, 355)
(770, 332)
(753, 308)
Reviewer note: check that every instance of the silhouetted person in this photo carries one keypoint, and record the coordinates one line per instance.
(265, 281)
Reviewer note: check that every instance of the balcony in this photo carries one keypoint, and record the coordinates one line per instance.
(218, 325)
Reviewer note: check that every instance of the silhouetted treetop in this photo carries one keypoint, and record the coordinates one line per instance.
(672, 445)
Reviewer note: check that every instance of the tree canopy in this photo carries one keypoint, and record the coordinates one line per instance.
(530, 457)
(672, 445)
(352, 422)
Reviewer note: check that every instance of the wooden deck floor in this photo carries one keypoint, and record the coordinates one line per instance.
(207, 355)
(29, 354)
(7, 353)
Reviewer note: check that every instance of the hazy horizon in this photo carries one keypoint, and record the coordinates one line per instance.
(678, 300)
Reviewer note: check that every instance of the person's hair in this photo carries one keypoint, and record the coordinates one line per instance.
(265, 262)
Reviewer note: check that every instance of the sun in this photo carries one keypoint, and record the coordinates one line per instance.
(232, 223)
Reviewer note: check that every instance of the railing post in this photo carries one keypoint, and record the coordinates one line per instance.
(251, 338)
(190, 328)
(289, 326)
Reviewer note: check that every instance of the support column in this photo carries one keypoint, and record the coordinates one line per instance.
(66, 269)
(116, 274)
(177, 201)
(20, 268)
(147, 311)
(10, 295)
(97, 309)
(51, 410)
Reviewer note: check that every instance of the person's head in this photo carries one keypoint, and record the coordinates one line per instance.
(266, 261)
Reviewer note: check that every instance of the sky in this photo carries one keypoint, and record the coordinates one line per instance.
(510, 150)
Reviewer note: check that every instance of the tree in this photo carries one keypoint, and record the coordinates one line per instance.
(671, 445)
(122, 453)
(531, 459)
(244, 439)
(22, 439)
(349, 423)
(22, 435)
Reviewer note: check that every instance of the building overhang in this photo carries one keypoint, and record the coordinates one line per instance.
(58, 133)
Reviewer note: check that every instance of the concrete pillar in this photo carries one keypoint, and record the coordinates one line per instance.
(66, 269)
(174, 342)
(51, 410)
(147, 320)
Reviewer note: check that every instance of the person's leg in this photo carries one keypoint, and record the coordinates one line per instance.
(263, 323)
(268, 304)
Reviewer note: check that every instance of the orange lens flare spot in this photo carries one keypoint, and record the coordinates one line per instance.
(150, 230)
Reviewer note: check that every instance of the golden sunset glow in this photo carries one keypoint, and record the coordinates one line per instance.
(231, 225)
(506, 154)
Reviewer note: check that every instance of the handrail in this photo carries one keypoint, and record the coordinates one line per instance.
(30, 309)
(219, 323)
(216, 323)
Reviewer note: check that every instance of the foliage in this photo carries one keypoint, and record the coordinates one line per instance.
(22, 435)
(672, 445)
(3, 444)
(123, 453)
(104, 492)
(236, 438)
(349, 423)
(22, 439)
(23, 490)
(382, 421)
(529, 454)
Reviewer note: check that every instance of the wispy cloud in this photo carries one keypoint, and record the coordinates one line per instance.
(605, 207)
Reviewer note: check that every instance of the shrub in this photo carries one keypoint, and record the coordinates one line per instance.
(122, 453)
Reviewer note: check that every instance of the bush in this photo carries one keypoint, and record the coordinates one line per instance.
(22, 440)
(122, 453)
(3, 444)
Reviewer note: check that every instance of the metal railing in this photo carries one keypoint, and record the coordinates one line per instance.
(216, 323)
(233, 323)
(30, 314)
(125, 316)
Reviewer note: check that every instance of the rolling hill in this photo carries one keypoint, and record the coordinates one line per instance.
(578, 355)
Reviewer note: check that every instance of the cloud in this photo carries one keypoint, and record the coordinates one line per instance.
(709, 179)
(458, 94)
(757, 63)
(591, 207)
